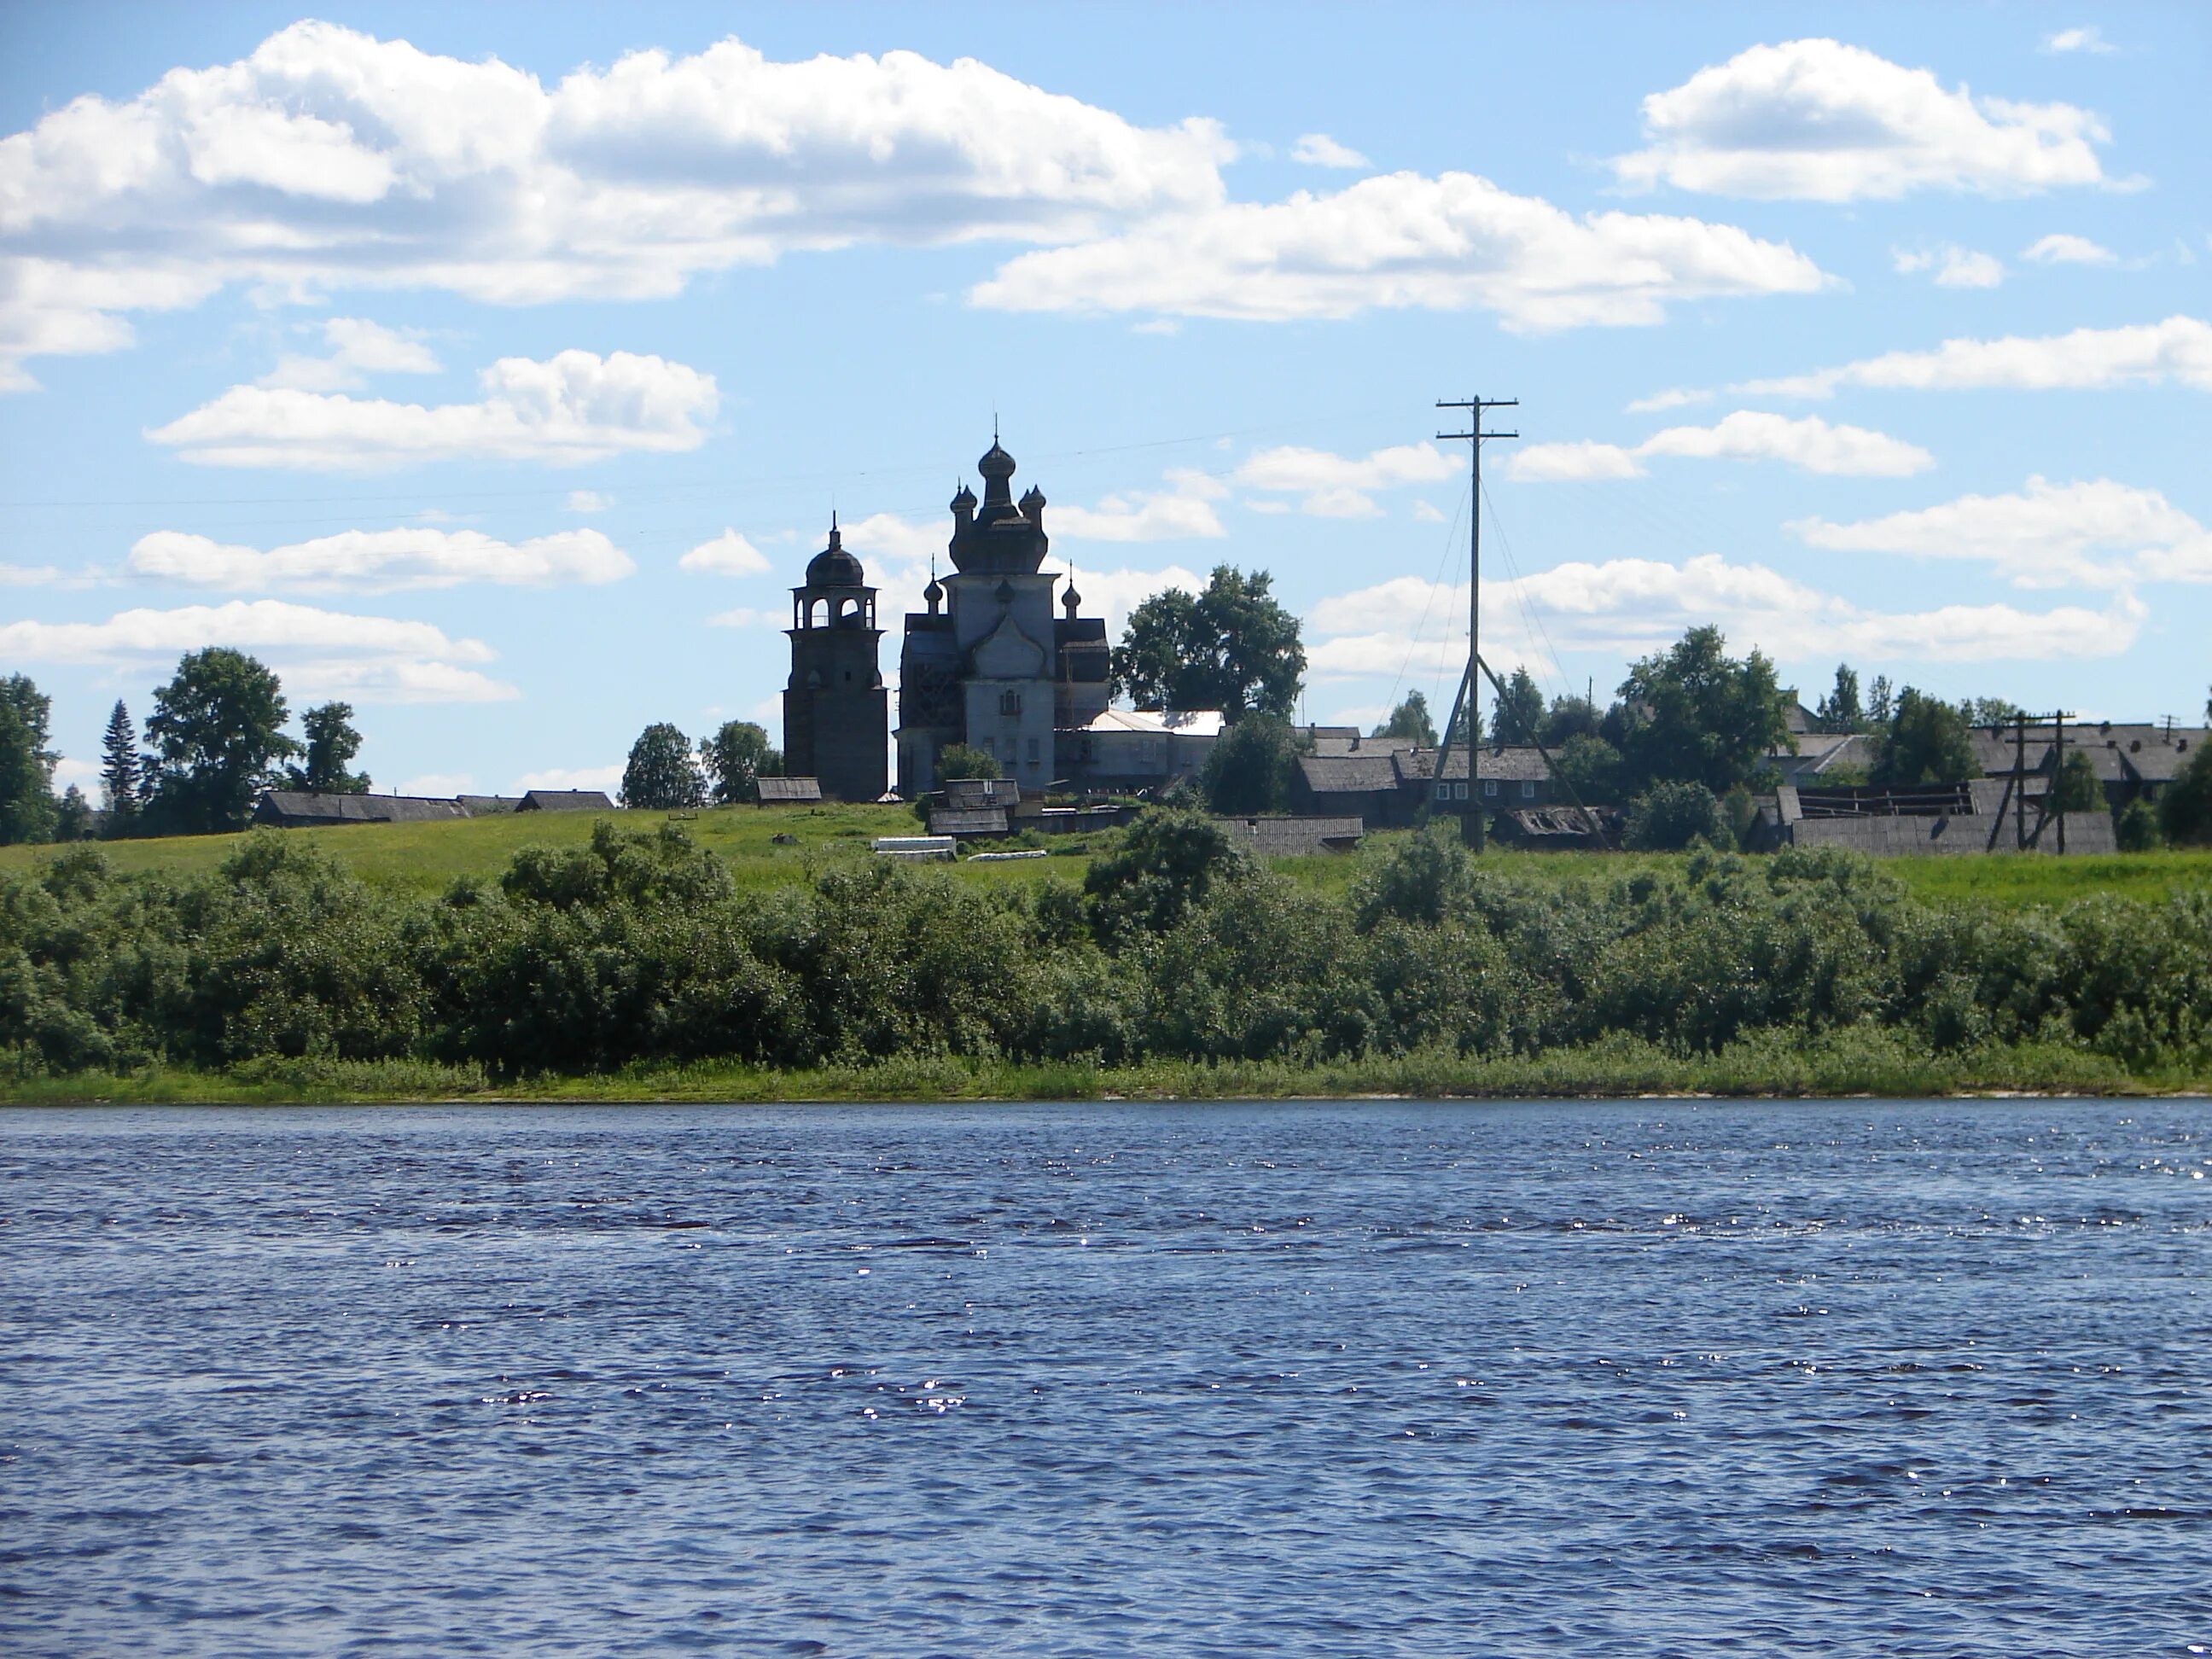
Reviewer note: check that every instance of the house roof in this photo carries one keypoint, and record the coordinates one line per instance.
(1349, 774)
(791, 790)
(1506, 763)
(483, 806)
(972, 794)
(1289, 837)
(564, 800)
(311, 806)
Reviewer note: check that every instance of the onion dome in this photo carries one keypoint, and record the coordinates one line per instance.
(1033, 502)
(1070, 600)
(965, 500)
(996, 464)
(833, 566)
(933, 595)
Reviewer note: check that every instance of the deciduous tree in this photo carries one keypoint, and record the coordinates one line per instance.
(331, 744)
(1249, 767)
(736, 758)
(1410, 722)
(1233, 647)
(218, 730)
(26, 764)
(1694, 714)
(1926, 743)
(1519, 715)
(661, 775)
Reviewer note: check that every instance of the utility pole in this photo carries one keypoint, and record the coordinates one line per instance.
(1471, 820)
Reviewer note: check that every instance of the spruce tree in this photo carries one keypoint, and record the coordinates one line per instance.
(121, 779)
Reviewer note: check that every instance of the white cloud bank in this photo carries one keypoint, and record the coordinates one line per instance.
(2101, 534)
(1819, 120)
(2179, 349)
(573, 407)
(381, 561)
(1336, 486)
(1809, 444)
(1402, 242)
(318, 652)
(329, 160)
(1628, 607)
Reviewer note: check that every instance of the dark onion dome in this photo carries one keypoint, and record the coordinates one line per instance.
(996, 463)
(934, 593)
(1071, 600)
(833, 566)
(965, 500)
(1034, 498)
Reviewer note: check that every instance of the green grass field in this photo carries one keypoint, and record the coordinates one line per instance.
(424, 859)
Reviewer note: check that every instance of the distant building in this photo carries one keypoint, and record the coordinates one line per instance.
(787, 792)
(564, 800)
(305, 809)
(836, 718)
(484, 807)
(987, 664)
(1277, 835)
(1390, 786)
(1133, 749)
(1979, 815)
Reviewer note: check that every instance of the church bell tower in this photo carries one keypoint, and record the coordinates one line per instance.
(836, 718)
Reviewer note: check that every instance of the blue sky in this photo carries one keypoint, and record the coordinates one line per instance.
(497, 369)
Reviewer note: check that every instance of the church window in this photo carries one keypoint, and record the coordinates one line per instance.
(1010, 703)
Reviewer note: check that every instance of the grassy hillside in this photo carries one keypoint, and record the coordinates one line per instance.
(424, 859)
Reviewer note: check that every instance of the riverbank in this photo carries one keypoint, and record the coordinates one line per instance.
(1769, 1065)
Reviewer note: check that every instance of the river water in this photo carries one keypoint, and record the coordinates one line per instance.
(1355, 1379)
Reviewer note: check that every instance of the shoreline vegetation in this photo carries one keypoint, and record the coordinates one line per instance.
(704, 961)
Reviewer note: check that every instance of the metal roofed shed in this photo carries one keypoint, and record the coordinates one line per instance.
(787, 792)
(565, 800)
(306, 809)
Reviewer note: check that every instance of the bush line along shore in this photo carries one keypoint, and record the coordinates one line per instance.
(639, 964)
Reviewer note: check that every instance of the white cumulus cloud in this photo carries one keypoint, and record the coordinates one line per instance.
(2087, 359)
(1403, 241)
(1810, 444)
(587, 501)
(1334, 486)
(1820, 120)
(357, 349)
(606, 779)
(2060, 248)
(2091, 534)
(327, 159)
(1627, 607)
(727, 555)
(575, 406)
(2088, 39)
(1955, 266)
(318, 652)
(381, 561)
(1318, 149)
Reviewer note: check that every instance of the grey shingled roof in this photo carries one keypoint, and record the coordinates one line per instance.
(1512, 763)
(1282, 837)
(308, 807)
(955, 821)
(789, 791)
(565, 800)
(1342, 775)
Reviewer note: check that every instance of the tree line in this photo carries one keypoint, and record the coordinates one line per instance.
(215, 741)
(640, 947)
